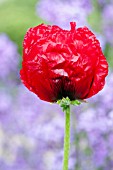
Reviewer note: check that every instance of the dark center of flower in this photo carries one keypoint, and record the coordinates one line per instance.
(66, 89)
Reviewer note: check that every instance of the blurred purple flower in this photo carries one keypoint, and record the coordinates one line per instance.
(97, 123)
(61, 12)
(5, 102)
(32, 127)
(107, 15)
(102, 40)
(8, 57)
(106, 12)
(102, 3)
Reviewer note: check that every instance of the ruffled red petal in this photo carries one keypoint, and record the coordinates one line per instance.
(58, 63)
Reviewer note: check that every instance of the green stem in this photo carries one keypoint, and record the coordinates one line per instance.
(66, 138)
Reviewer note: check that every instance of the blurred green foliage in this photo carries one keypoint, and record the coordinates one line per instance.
(16, 16)
(94, 18)
(95, 21)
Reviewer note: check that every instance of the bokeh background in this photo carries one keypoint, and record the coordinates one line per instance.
(31, 131)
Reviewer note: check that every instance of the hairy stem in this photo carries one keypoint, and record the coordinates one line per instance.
(66, 138)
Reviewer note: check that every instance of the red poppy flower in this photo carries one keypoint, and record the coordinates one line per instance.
(60, 63)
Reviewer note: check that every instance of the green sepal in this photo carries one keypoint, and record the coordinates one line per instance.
(65, 102)
(75, 102)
